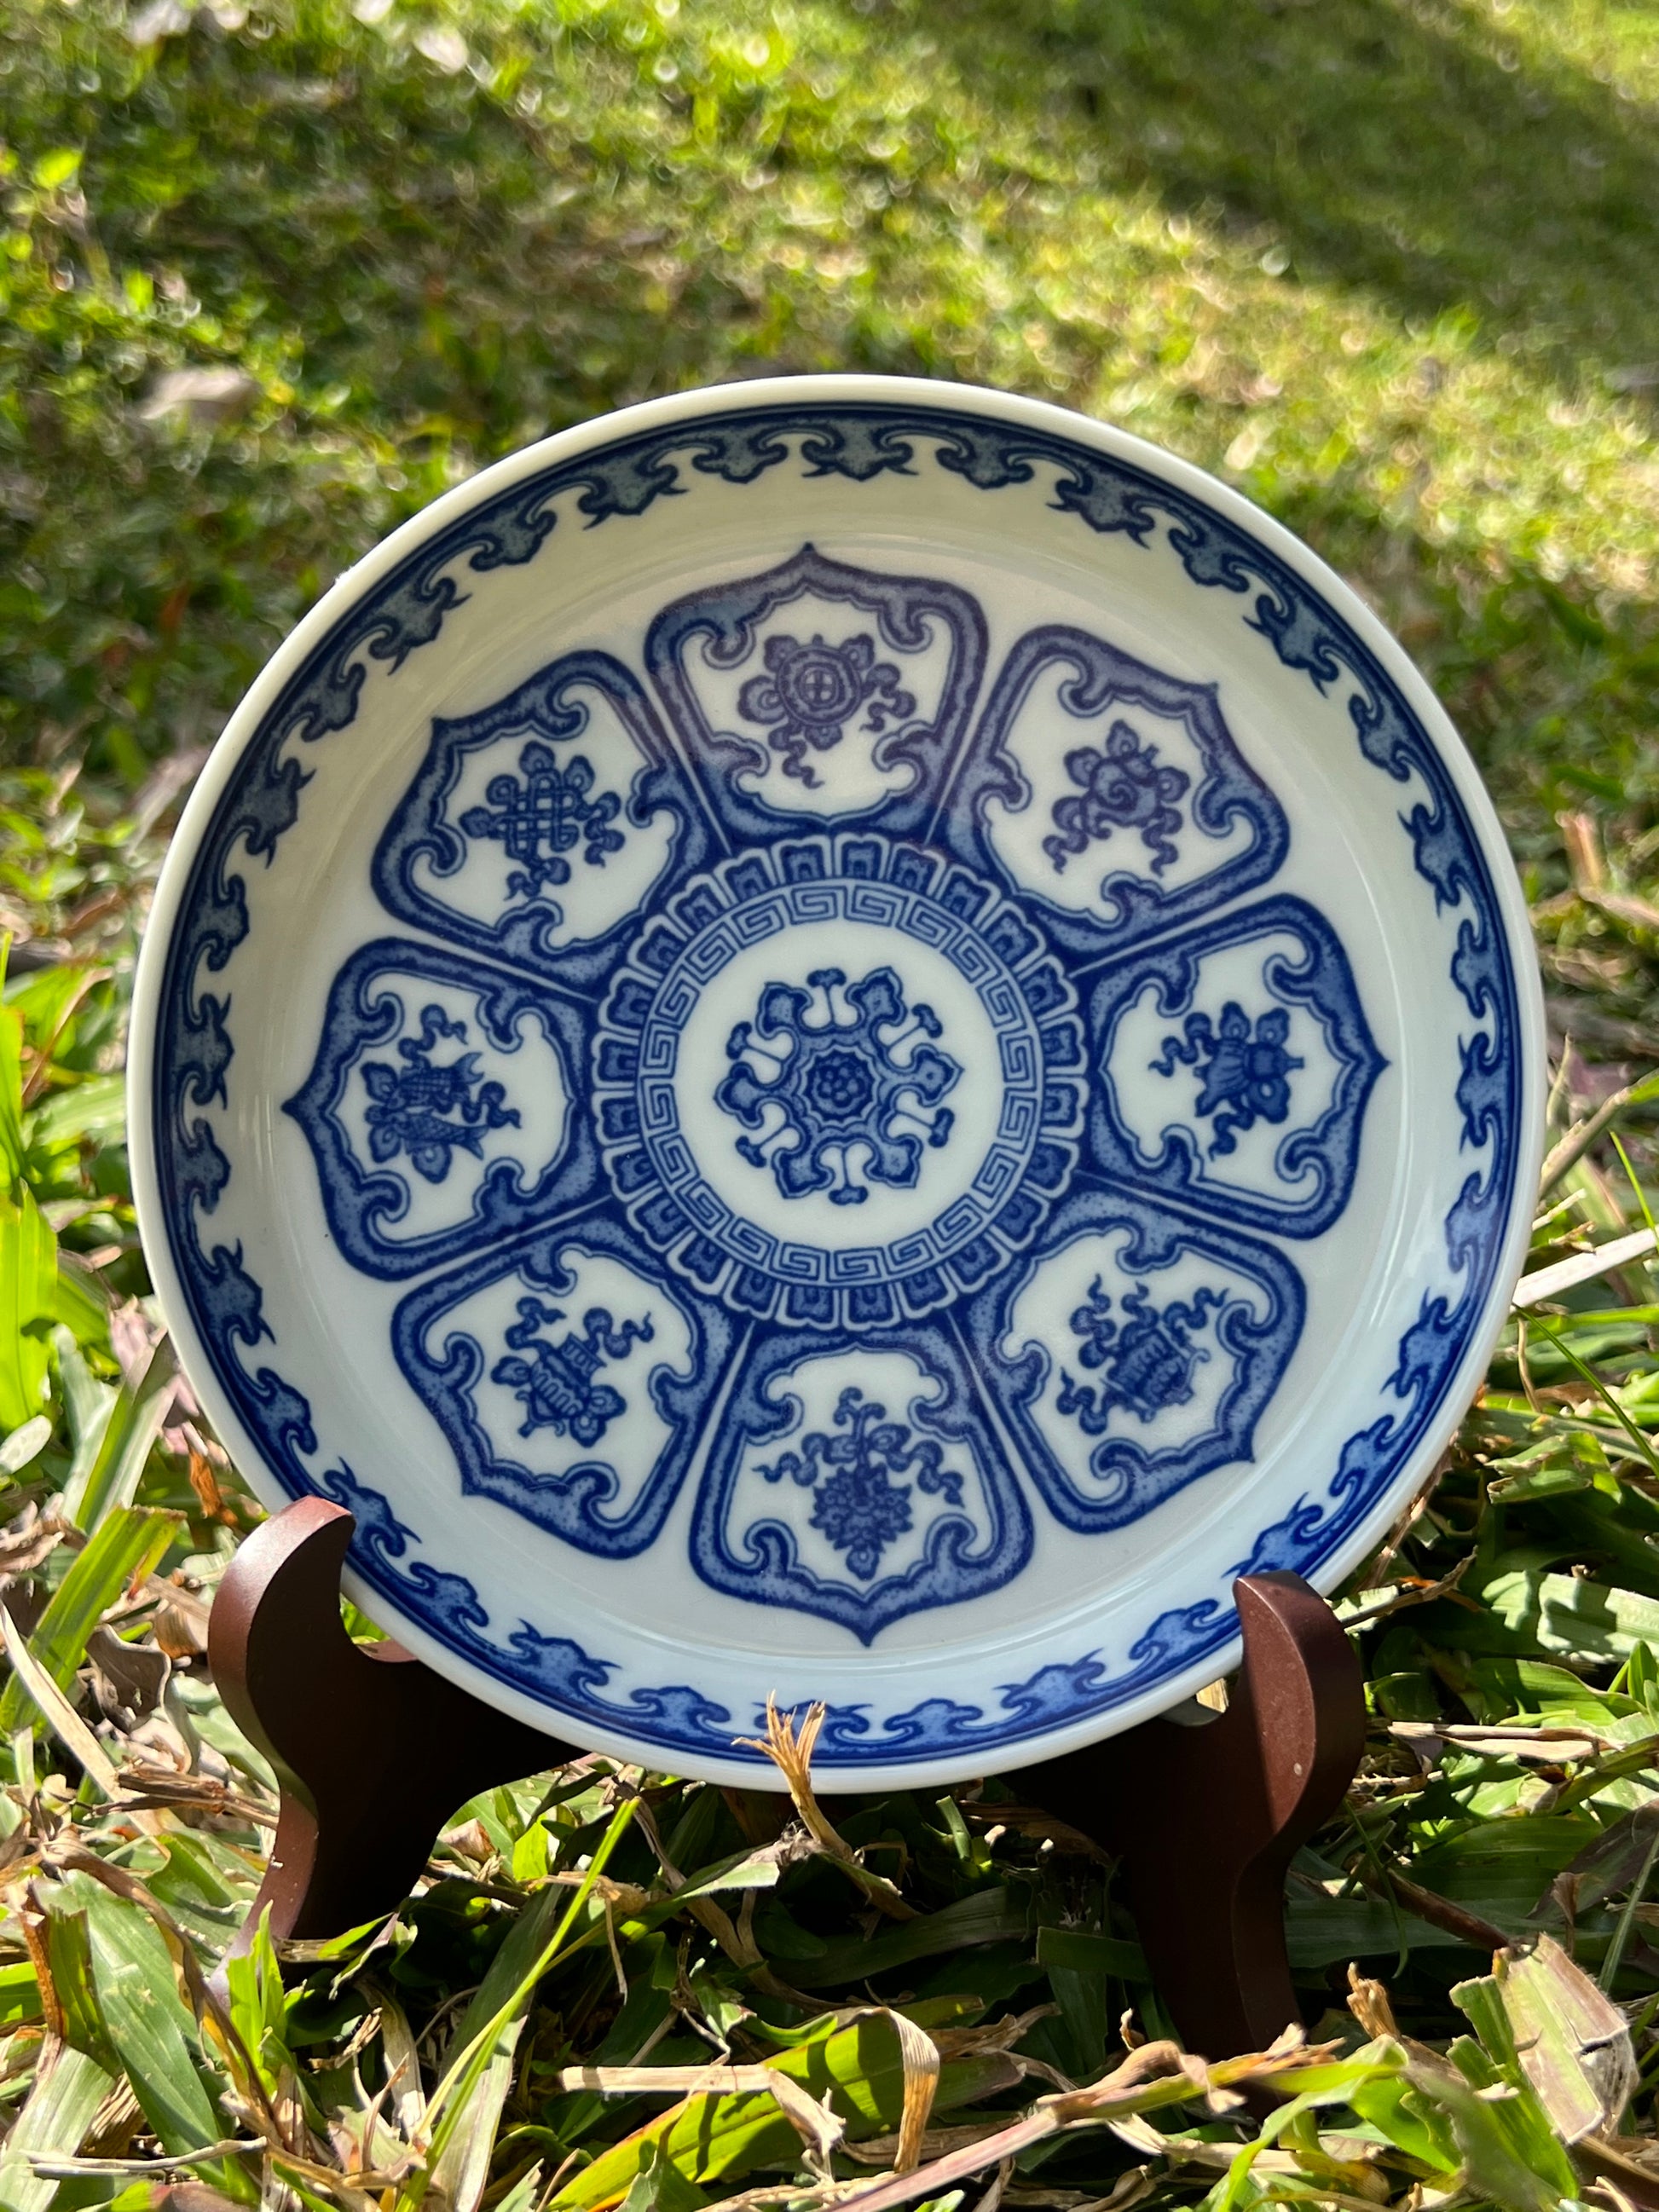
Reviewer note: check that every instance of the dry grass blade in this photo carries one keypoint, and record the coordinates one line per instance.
(1549, 1746)
(201, 1793)
(1574, 2042)
(1374, 1605)
(935, 2142)
(819, 2126)
(1001, 2035)
(57, 1713)
(1156, 2073)
(706, 1911)
(790, 1749)
(1621, 2166)
(30, 1541)
(1581, 1268)
(403, 2084)
(1368, 2000)
(1131, 2188)
(717, 2079)
(920, 2056)
(624, 1897)
(1439, 1911)
(1565, 1155)
(993, 2034)
(1000, 2180)
(72, 2169)
(1140, 2135)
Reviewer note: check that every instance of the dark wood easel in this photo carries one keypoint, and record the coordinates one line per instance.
(374, 1753)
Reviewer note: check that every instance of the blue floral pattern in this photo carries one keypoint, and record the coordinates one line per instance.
(858, 1505)
(843, 1086)
(961, 1075)
(1187, 1303)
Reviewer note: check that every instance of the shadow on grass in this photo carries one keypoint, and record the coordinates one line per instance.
(1379, 143)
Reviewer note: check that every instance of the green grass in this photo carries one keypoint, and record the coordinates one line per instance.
(1389, 267)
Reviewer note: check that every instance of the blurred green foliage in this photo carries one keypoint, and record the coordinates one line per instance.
(1387, 263)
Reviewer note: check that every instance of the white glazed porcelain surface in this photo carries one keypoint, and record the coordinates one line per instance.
(842, 1037)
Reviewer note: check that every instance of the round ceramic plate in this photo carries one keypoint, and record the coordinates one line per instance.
(842, 1037)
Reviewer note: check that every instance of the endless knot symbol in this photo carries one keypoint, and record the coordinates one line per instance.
(1146, 1359)
(1123, 788)
(859, 1093)
(540, 819)
(556, 1385)
(413, 1105)
(859, 1507)
(811, 692)
(1245, 1076)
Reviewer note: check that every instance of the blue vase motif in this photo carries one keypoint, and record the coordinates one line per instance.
(880, 1083)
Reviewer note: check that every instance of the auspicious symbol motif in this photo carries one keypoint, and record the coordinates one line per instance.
(859, 1506)
(546, 815)
(428, 1111)
(556, 1385)
(1146, 1359)
(847, 1088)
(811, 692)
(1244, 1076)
(1123, 788)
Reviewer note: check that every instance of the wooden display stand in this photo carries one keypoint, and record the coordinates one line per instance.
(374, 1753)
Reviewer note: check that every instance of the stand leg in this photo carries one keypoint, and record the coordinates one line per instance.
(1205, 1820)
(372, 1750)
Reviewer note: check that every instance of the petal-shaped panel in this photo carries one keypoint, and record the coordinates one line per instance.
(570, 1384)
(1237, 1062)
(538, 825)
(820, 690)
(1115, 793)
(1135, 1353)
(858, 1479)
(442, 1108)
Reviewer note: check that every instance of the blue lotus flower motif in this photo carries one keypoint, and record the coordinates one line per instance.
(845, 1086)
(858, 1505)
(846, 996)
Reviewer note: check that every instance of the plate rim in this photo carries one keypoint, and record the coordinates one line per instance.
(244, 726)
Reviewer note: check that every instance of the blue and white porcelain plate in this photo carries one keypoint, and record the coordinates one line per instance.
(842, 1037)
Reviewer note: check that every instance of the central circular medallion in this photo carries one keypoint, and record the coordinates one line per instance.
(838, 1080)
